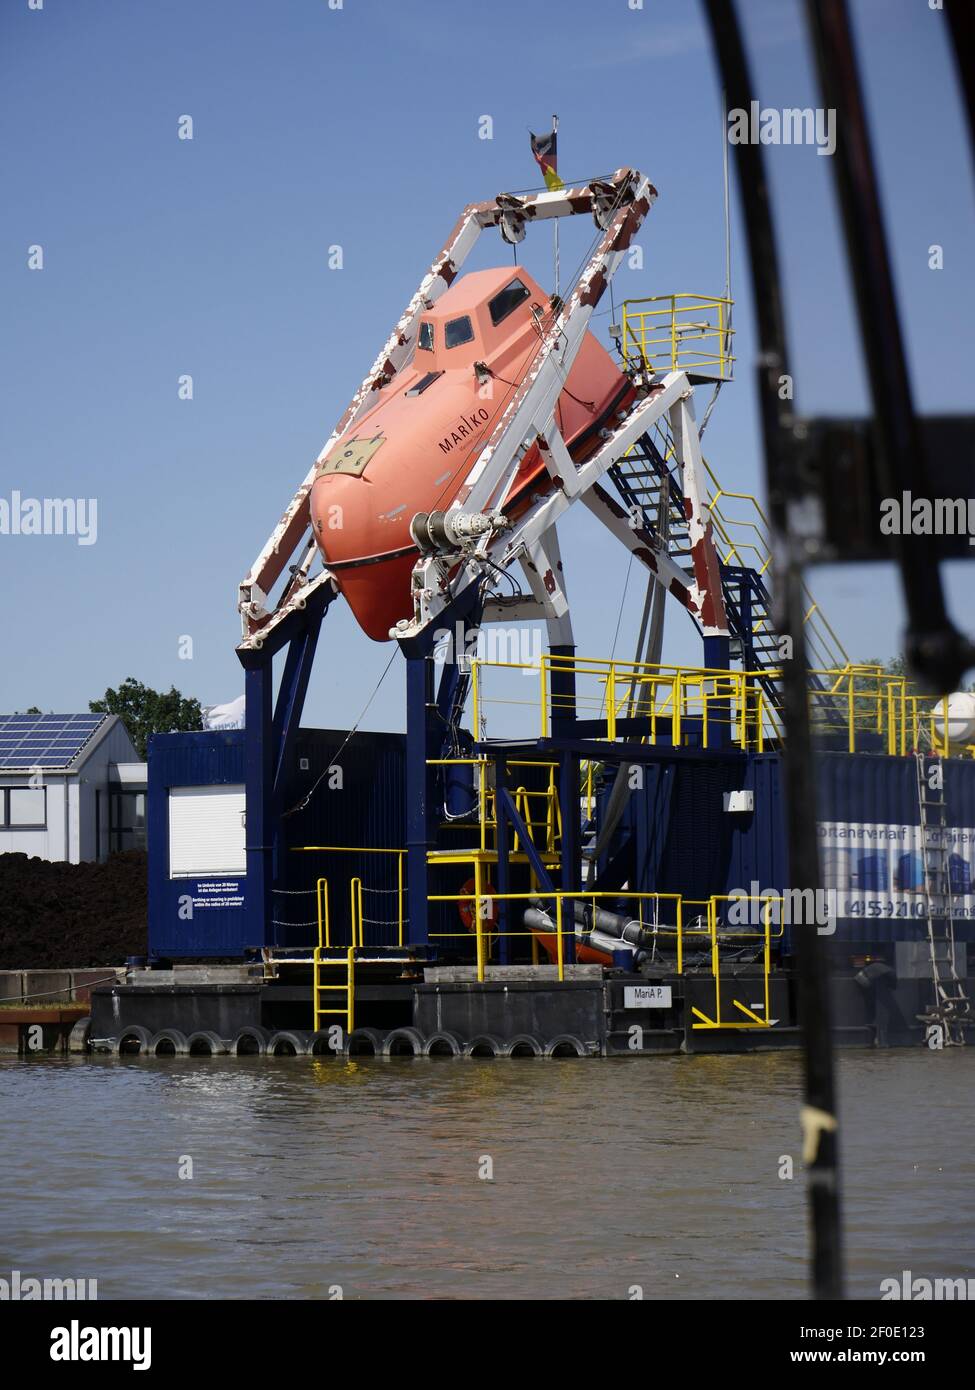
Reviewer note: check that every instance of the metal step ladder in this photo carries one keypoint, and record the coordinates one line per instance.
(951, 1008)
(344, 987)
(644, 480)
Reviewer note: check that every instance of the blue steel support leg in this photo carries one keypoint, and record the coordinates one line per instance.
(563, 725)
(571, 845)
(717, 657)
(422, 736)
(285, 725)
(268, 739)
(424, 740)
(563, 693)
(258, 773)
(291, 695)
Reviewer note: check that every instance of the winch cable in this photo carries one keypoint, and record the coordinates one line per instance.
(334, 762)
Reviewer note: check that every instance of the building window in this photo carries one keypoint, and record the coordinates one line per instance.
(425, 340)
(510, 297)
(206, 831)
(126, 821)
(458, 331)
(23, 808)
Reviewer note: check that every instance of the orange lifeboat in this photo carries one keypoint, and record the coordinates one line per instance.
(411, 450)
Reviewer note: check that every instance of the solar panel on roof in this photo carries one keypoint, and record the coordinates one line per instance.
(45, 740)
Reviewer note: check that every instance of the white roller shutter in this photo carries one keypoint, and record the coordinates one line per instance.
(206, 831)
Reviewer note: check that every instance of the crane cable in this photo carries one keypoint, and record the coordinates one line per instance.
(300, 806)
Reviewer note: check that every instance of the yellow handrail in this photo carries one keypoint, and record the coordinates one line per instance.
(481, 903)
(682, 332)
(752, 1019)
(356, 900)
(870, 708)
(321, 890)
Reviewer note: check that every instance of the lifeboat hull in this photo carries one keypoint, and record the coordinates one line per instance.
(410, 451)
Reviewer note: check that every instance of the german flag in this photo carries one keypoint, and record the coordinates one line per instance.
(545, 150)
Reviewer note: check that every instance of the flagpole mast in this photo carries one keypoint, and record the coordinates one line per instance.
(555, 220)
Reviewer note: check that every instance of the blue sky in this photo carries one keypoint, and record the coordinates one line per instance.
(359, 126)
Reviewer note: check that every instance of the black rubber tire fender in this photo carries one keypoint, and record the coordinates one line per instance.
(320, 1043)
(205, 1043)
(134, 1033)
(442, 1044)
(365, 1042)
(251, 1041)
(566, 1045)
(484, 1045)
(289, 1042)
(172, 1041)
(523, 1045)
(403, 1042)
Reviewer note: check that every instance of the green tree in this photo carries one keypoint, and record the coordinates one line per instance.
(896, 666)
(144, 711)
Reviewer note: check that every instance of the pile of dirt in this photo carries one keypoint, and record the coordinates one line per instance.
(56, 916)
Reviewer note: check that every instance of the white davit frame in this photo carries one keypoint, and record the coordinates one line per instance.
(206, 831)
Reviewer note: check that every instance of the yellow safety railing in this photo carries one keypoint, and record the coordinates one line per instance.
(750, 1018)
(564, 923)
(357, 889)
(746, 541)
(561, 922)
(324, 922)
(680, 332)
(524, 798)
(881, 712)
(865, 707)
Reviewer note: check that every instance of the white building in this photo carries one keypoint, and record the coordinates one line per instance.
(71, 787)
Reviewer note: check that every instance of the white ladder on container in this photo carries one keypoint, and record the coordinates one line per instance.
(952, 1008)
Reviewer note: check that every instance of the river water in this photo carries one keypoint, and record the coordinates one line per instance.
(311, 1175)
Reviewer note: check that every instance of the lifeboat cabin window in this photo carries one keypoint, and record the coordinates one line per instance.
(509, 298)
(423, 383)
(458, 331)
(425, 340)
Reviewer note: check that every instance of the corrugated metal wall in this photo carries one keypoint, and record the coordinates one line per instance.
(365, 807)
